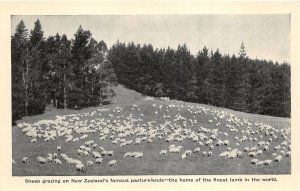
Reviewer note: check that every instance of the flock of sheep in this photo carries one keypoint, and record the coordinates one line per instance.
(223, 135)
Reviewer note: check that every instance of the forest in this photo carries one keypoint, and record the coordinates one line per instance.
(81, 72)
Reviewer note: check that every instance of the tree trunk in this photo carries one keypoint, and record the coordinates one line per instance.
(65, 92)
(25, 81)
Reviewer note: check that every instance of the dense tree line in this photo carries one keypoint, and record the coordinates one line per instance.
(236, 82)
(57, 71)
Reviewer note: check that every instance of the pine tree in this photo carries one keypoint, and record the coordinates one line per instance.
(19, 57)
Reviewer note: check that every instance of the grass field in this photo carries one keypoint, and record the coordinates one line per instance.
(129, 103)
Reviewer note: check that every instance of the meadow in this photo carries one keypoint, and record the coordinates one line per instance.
(135, 123)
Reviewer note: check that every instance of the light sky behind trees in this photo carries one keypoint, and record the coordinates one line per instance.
(265, 36)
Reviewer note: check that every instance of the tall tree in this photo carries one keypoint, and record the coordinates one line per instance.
(19, 57)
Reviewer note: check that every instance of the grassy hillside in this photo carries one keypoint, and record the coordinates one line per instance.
(159, 119)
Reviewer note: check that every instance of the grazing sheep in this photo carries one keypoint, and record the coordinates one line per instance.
(89, 163)
(163, 152)
(183, 156)
(57, 161)
(260, 163)
(139, 155)
(128, 154)
(288, 154)
(278, 158)
(33, 140)
(246, 149)
(252, 154)
(253, 161)
(58, 148)
(42, 160)
(96, 154)
(267, 162)
(253, 149)
(197, 150)
(224, 154)
(209, 154)
(188, 152)
(24, 160)
(266, 148)
(174, 150)
(79, 167)
(110, 153)
(98, 160)
(204, 153)
(112, 163)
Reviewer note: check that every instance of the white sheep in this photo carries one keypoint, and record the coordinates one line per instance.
(252, 154)
(188, 152)
(98, 160)
(58, 148)
(183, 156)
(267, 162)
(259, 163)
(253, 161)
(42, 160)
(33, 140)
(197, 150)
(89, 163)
(110, 153)
(57, 161)
(163, 152)
(79, 167)
(112, 163)
(24, 159)
(278, 158)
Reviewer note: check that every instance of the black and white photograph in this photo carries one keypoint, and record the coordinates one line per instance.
(151, 94)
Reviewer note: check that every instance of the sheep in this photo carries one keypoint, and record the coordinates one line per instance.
(209, 154)
(57, 161)
(224, 154)
(246, 149)
(98, 160)
(24, 160)
(278, 158)
(163, 152)
(276, 148)
(174, 150)
(139, 155)
(183, 156)
(110, 153)
(58, 148)
(54, 155)
(266, 148)
(112, 163)
(75, 139)
(252, 154)
(89, 163)
(33, 140)
(197, 150)
(42, 160)
(267, 162)
(259, 163)
(204, 153)
(253, 161)
(96, 154)
(79, 167)
(188, 152)
(259, 152)
(288, 154)
(253, 149)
